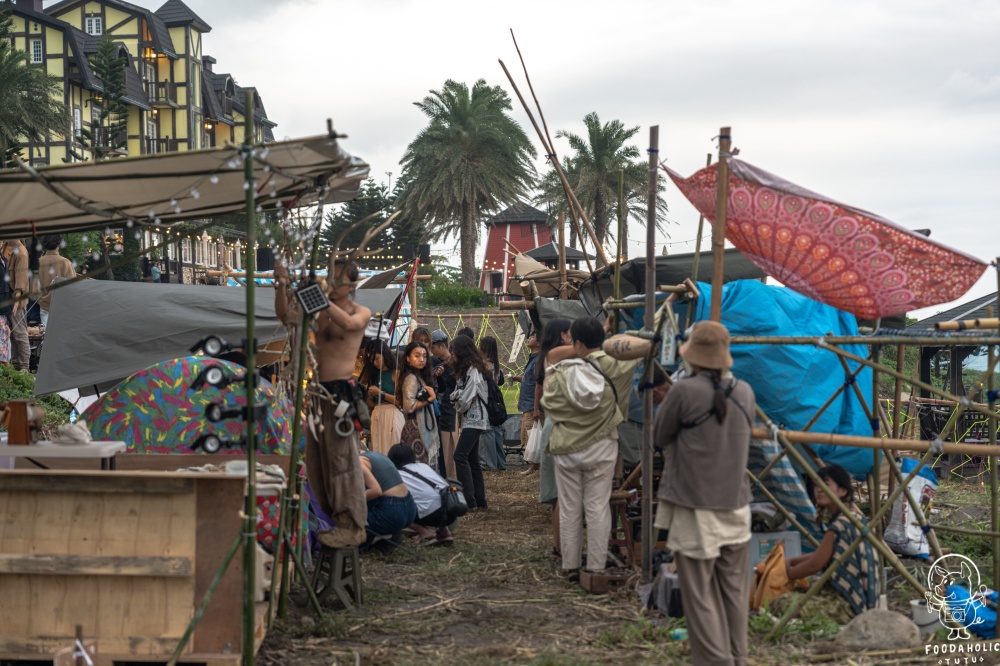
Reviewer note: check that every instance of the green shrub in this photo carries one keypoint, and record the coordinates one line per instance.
(16, 385)
(449, 295)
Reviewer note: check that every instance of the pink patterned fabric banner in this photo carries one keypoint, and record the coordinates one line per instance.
(853, 260)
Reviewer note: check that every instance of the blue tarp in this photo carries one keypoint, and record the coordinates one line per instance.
(793, 381)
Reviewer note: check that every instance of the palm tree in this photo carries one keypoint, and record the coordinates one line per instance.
(592, 172)
(28, 109)
(471, 159)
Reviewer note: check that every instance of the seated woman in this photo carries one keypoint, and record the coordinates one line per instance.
(425, 485)
(390, 505)
(854, 586)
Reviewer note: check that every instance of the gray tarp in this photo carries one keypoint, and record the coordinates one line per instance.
(101, 332)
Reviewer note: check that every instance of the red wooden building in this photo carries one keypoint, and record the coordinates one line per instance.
(525, 228)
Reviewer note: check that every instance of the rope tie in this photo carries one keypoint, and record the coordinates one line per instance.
(937, 447)
(849, 380)
(774, 433)
(992, 395)
(926, 528)
(875, 425)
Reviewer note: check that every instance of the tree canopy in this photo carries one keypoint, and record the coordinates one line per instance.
(29, 110)
(472, 159)
(592, 171)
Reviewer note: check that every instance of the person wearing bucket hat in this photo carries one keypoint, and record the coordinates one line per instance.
(704, 427)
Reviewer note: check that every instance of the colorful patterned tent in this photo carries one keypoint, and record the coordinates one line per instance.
(156, 410)
(853, 260)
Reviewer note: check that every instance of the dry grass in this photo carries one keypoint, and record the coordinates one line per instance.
(496, 597)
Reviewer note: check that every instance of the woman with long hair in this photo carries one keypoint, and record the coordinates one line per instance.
(470, 403)
(491, 454)
(387, 418)
(555, 333)
(854, 587)
(416, 394)
(708, 416)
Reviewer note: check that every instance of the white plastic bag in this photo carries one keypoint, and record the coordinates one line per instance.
(533, 449)
(903, 535)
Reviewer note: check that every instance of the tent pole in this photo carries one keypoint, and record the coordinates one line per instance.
(697, 250)
(994, 459)
(250, 517)
(563, 295)
(719, 228)
(649, 323)
(621, 231)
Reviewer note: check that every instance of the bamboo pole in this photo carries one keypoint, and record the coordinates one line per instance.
(994, 460)
(719, 227)
(621, 231)
(967, 324)
(876, 495)
(649, 324)
(562, 257)
(962, 530)
(516, 305)
(698, 238)
(943, 341)
(916, 446)
(250, 519)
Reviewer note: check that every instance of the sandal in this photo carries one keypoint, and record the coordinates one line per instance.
(445, 540)
(428, 541)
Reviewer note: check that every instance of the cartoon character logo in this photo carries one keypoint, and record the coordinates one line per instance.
(954, 612)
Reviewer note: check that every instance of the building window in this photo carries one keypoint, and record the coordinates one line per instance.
(77, 121)
(93, 25)
(36, 51)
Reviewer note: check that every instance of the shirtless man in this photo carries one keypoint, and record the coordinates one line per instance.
(332, 466)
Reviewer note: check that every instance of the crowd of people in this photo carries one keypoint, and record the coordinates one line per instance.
(430, 423)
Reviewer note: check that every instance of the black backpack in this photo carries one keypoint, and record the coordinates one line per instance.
(496, 408)
(6, 291)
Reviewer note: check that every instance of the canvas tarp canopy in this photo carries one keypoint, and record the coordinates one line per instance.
(101, 332)
(671, 269)
(170, 187)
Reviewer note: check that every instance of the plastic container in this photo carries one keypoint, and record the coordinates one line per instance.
(679, 634)
(928, 620)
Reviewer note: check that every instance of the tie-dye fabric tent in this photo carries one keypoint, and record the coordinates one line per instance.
(836, 254)
(157, 410)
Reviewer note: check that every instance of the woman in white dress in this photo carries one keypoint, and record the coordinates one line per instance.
(387, 418)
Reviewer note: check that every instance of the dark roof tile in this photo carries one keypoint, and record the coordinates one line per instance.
(519, 213)
(974, 309)
(175, 12)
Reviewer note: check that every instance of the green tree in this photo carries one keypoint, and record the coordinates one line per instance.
(29, 110)
(471, 159)
(108, 133)
(592, 172)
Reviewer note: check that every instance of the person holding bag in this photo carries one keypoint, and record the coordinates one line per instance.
(704, 427)
(415, 393)
(470, 403)
(432, 522)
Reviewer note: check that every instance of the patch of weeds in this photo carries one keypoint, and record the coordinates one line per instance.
(806, 630)
(556, 659)
(974, 547)
(653, 636)
(333, 624)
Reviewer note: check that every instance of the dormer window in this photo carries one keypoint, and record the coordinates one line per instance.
(94, 25)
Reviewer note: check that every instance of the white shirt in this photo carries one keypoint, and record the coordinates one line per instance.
(427, 499)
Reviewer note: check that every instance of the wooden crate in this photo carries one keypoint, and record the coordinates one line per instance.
(605, 581)
(127, 555)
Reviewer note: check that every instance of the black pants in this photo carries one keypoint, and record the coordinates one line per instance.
(470, 474)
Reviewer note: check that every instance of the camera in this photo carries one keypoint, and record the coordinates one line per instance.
(423, 395)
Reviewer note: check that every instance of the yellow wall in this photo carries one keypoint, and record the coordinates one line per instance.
(178, 37)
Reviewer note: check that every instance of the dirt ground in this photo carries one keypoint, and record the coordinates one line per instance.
(496, 597)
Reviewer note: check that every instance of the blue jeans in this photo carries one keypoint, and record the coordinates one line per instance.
(388, 515)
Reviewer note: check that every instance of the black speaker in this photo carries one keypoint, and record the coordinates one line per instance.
(408, 249)
(425, 253)
(496, 281)
(265, 259)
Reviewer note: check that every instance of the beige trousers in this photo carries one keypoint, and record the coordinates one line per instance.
(714, 593)
(449, 440)
(584, 483)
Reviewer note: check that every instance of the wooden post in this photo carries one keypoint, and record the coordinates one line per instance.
(250, 527)
(78, 647)
(622, 240)
(649, 325)
(719, 228)
(562, 257)
(994, 460)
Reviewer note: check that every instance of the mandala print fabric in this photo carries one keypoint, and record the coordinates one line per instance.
(853, 260)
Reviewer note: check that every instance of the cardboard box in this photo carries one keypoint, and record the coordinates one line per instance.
(761, 543)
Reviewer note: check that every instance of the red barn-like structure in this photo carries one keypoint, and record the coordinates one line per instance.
(525, 228)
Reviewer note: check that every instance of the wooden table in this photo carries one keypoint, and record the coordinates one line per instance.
(105, 450)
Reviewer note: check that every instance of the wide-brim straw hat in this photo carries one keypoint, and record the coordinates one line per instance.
(708, 346)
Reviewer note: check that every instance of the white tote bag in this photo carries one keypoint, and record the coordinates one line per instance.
(533, 449)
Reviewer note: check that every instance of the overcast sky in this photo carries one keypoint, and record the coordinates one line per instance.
(890, 106)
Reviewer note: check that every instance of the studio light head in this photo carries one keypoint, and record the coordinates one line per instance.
(213, 443)
(217, 411)
(214, 375)
(211, 345)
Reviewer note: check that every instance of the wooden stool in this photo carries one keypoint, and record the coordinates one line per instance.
(343, 575)
(621, 529)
